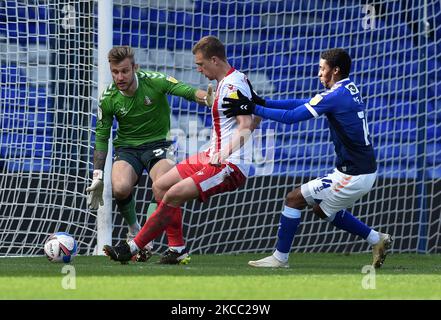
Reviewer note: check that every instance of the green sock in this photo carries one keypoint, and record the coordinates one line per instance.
(127, 209)
(152, 207)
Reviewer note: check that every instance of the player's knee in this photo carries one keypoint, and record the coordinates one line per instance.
(319, 212)
(295, 200)
(159, 189)
(121, 191)
(174, 195)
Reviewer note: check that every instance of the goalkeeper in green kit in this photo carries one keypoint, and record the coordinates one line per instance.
(138, 100)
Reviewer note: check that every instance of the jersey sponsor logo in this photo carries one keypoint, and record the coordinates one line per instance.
(314, 101)
(352, 88)
(171, 79)
(326, 183)
(158, 152)
(233, 95)
(147, 101)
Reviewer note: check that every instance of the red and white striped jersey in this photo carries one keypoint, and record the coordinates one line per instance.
(223, 128)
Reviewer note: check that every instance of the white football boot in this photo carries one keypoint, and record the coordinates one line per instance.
(268, 262)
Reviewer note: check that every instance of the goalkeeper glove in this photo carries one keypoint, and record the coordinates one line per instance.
(254, 97)
(237, 107)
(209, 98)
(95, 191)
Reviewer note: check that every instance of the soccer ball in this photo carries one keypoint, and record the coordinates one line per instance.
(60, 247)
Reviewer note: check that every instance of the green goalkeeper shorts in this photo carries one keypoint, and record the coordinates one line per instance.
(145, 156)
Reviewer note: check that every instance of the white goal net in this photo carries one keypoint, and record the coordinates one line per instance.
(49, 91)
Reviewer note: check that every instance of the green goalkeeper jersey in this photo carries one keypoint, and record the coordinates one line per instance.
(142, 118)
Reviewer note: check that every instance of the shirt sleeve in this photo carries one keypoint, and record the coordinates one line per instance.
(322, 103)
(286, 116)
(103, 125)
(285, 104)
(319, 104)
(171, 86)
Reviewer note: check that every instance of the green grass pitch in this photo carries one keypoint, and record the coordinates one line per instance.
(222, 277)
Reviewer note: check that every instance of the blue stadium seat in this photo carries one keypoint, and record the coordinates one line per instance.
(300, 60)
(434, 131)
(21, 117)
(268, 61)
(284, 85)
(40, 13)
(178, 18)
(131, 12)
(396, 152)
(20, 145)
(433, 154)
(28, 165)
(12, 74)
(433, 172)
(395, 130)
(157, 15)
(179, 105)
(11, 8)
(390, 170)
(3, 15)
(213, 8)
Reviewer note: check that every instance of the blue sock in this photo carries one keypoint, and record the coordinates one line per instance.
(289, 221)
(346, 221)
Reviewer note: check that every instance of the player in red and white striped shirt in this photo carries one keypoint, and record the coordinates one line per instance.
(221, 168)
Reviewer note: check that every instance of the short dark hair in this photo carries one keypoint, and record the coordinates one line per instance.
(210, 46)
(338, 58)
(118, 54)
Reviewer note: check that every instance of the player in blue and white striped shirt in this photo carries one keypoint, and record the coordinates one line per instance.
(356, 167)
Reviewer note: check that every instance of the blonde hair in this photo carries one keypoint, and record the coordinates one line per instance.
(210, 46)
(118, 54)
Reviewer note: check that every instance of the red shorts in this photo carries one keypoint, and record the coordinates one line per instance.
(210, 180)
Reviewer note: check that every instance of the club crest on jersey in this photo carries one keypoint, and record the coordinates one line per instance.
(147, 101)
(352, 88)
(317, 98)
(171, 79)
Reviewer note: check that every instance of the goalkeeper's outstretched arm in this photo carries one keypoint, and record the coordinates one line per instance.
(205, 97)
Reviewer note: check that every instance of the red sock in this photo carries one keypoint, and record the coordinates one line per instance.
(156, 224)
(174, 230)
